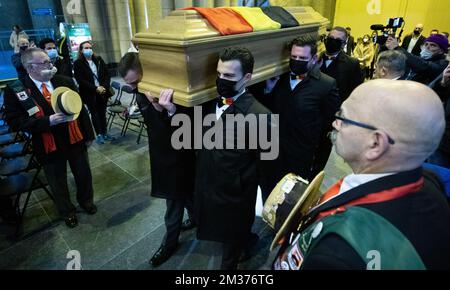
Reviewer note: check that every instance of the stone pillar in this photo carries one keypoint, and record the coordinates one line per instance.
(140, 13)
(204, 3)
(183, 3)
(124, 33)
(100, 34)
(221, 3)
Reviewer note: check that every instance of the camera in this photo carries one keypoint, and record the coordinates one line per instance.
(390, 29)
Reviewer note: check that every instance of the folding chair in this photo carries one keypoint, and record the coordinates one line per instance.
(19, 184)
(115, 110)
(116, 102)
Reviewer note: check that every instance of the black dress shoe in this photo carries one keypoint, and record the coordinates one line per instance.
(162, 255)
(89, 209)
(187, 225)
(71, 221)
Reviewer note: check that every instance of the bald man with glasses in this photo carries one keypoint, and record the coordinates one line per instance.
(389, 213)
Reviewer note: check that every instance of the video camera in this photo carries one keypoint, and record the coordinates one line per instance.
(389, 30)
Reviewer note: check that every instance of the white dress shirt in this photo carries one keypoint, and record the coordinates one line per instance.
(38, 84)
(412, 43)
(294, 83)
(94, 71)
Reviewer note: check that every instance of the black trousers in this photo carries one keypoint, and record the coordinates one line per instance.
(56, 173)
(321, 155)
(174, 218)
(231, 252)
(97, 108)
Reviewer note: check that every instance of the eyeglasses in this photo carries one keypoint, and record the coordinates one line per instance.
(361, 125)
(46, 63)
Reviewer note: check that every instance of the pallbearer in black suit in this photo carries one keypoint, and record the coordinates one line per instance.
(58, 138)
(172, 171)
(347, 73)
(227, 178)
(306, 101)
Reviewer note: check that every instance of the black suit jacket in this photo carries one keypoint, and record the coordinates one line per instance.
(64, 67)
(423, 217)
(305, 114)
(18, 118)
(227, 180)
(172, 170)
(86, 79)
(347, 73)
(350, 45)
(416, 49)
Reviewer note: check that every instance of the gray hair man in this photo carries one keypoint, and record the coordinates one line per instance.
(391, 64)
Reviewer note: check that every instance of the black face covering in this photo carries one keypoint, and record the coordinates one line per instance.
(416, 31)
(298, 67)
(23, 48)
(226, 88)
(333, 45)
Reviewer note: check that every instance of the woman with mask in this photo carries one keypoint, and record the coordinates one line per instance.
(92, 76)
(365, 52)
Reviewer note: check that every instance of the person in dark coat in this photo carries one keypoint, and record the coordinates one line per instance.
(172, 170)
(413, 42)
(227, 179)
(442, 87)
(432, 60)
(347, 73)
(389, 213)
(63, 64)
(306, 100)
(350, 44)
(92, 76)
(24, 44)
(56, 142)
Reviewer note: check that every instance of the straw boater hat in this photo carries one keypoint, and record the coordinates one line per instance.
(66, 101)
(289, 201)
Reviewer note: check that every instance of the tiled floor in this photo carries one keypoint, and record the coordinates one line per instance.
(129, 224)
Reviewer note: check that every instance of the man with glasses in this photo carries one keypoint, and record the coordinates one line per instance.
(56, 141)
(389, 213)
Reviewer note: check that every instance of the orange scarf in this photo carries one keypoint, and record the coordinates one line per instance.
(49, 141)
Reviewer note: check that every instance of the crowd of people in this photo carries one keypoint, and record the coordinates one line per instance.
(385, 129)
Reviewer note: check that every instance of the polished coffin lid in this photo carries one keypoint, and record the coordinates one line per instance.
(181, 52)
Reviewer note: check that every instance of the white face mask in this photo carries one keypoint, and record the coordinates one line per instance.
(425, 53)
(48, 74)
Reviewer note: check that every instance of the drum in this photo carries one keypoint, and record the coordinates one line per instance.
(289, 201)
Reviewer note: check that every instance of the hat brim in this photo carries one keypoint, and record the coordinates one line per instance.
(54, 100)
(306, 201)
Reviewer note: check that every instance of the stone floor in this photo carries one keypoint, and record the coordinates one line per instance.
(129, 224)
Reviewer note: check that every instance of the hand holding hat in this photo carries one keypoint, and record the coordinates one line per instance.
(66, 102)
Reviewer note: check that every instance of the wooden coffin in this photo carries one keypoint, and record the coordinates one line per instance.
(181, 52)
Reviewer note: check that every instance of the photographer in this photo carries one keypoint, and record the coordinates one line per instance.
(431, 62)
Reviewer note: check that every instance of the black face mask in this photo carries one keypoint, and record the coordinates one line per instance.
(23, 48)
(416, 32)
(333, 45)
(226, 88)
(298, 67)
